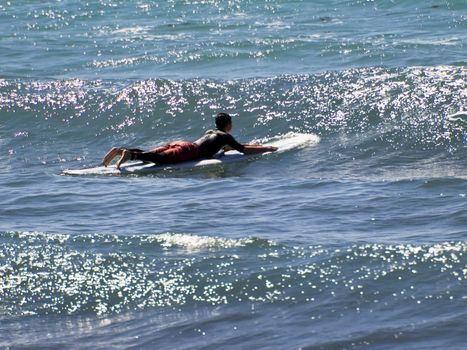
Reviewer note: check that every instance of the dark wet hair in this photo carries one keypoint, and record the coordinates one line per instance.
(222, 120)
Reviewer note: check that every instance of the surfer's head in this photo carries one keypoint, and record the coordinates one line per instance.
(223, 122)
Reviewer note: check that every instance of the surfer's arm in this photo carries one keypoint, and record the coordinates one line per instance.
(252, 149)
(246, 148)
(255, 149)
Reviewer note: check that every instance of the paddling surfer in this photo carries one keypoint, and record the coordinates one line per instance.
(181, 151)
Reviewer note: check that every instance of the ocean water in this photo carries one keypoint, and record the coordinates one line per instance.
(356, 242)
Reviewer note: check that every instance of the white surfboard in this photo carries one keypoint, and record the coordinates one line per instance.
(284, 143)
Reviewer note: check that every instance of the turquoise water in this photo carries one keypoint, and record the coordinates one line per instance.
(358, 241)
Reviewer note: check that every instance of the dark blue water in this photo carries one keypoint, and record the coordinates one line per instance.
(358, 241)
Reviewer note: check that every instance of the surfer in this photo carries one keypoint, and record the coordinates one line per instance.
(181, 151)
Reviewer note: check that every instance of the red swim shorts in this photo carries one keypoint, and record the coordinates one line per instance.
(176, 152)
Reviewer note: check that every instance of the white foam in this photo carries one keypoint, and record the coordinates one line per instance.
(460, 116)
(194, 242)
(131, 30)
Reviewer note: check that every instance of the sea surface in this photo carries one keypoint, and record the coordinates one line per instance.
(356, 242)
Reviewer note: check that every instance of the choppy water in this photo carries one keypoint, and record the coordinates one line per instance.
(356, 242)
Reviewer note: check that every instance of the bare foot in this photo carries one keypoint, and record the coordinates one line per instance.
(126, 155)
(111, 155)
